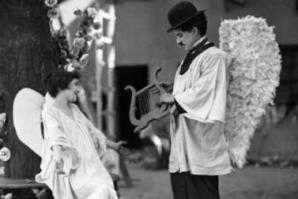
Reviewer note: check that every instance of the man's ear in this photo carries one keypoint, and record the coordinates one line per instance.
(195, 31)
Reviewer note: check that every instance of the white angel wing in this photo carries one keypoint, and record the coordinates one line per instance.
(254, 76)
(27, 108)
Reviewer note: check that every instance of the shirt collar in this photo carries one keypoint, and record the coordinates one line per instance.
(199, 41)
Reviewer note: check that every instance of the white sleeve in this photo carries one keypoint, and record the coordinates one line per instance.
(209, 86)
(54, 132)
(55, 136)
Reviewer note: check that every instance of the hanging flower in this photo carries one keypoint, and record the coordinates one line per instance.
(91, 12)
(96, 25)
(53, 13)
(79, 42)
(7, 196)
(63, 32)
(4, 154)
(84, 60)
(100, 44)
(88, 38)
(86, 25)
(76, 57)
(73, 65)
(51, 3)
(78, 12)
(69, 67)
(97, 35)
(2, 120)
(64, 54)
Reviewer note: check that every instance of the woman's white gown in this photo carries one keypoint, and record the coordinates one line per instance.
(83, 177)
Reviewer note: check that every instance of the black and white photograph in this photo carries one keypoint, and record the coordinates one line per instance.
(149, 99)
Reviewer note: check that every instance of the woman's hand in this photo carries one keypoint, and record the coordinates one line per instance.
(57, 156)
(118, 146)
(65, 159)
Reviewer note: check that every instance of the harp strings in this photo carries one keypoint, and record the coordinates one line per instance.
(144, 102)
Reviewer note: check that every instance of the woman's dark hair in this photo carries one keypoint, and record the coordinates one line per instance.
(199, 21)
(59, 81)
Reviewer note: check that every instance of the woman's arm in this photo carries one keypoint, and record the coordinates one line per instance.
(64, 155)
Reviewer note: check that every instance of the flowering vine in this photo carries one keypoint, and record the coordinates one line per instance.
(75, 56)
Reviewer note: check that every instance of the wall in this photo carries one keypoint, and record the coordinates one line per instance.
(141, 33)
(279, 13)
(141, 36)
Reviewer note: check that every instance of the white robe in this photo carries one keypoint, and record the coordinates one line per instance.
(197, 136)
(84, 177)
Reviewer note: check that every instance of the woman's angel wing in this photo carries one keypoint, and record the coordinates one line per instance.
(27, 107)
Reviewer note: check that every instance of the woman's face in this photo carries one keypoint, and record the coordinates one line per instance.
(72, 91)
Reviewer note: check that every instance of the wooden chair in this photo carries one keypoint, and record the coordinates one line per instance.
(10, 185)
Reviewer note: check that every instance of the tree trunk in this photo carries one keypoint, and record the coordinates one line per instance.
(27, 54)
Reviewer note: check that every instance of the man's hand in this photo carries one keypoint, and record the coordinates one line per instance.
(168, 87)
(167, 98)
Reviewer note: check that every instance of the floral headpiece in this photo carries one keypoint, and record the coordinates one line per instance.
(75, 57)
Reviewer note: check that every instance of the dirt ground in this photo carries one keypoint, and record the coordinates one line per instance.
(247, 183)
(277, 181)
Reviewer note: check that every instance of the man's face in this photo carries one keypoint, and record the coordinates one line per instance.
(186, 38)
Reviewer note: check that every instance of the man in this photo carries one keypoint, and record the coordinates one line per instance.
(198, 147)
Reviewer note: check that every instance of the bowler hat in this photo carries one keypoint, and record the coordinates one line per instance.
(181, 13)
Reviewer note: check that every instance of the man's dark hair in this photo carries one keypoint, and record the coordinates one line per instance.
(59, 81)
(199, 21)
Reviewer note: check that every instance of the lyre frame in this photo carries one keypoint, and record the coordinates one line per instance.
(155, 114)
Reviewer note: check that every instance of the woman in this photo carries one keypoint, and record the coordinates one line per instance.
(71, 164)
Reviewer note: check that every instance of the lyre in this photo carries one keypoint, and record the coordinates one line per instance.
(140, 100)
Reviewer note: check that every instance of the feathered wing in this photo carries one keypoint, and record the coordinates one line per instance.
(253, 78)
(27, 107)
